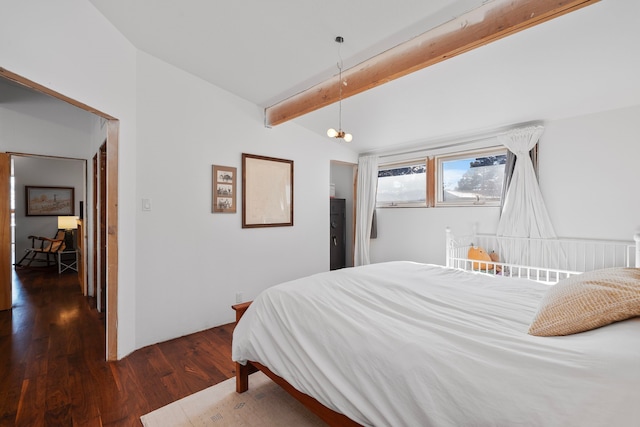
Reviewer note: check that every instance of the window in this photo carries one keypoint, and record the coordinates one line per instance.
(402, 185)
(471, 178)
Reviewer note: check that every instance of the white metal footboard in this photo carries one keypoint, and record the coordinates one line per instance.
(543, 260)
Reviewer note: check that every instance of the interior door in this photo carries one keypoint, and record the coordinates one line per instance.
(5, 232)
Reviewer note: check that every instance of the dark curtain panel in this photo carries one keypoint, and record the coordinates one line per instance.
(374, 226)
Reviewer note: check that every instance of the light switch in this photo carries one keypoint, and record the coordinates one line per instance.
(146, 204)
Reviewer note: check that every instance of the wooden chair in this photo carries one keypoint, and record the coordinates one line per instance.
(43, 250)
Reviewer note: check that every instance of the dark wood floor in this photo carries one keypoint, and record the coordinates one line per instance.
(52, 368)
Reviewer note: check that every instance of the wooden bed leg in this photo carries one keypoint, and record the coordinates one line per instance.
(242, 378)
(242, 371)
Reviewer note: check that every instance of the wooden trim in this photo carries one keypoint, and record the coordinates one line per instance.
(240, 309)
(431, 182)
(94, 213)
(113, 127)
(489, 22)
(6, 297)
(44, 156)
(42, 89)
(82, 248)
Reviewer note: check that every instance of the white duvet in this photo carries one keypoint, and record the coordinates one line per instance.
(407, 344)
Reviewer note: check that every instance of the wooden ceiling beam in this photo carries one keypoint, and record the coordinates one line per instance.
(491, 21)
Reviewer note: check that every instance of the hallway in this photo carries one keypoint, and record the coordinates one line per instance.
(52, 368)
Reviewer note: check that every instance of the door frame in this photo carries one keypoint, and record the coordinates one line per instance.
(5, 233)
(113, 131)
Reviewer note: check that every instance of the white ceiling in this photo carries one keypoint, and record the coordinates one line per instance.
(265, 51)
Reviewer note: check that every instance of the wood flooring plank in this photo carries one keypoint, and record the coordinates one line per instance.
(193, 379)
(58, 416)
(193, 360)
(32, 397)
(150, 367)
(10, 390)
(57, 384)
(37, 360)
(133, 399)
(211, 357)
(52, 361)
(84, 406)
(111, 394)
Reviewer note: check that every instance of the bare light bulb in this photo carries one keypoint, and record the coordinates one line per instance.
(347, 137)
(332, 133)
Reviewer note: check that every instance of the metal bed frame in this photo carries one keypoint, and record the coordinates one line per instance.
(542, 260)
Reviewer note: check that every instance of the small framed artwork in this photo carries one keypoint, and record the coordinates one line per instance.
(49, 201)
(267, 191)
(224, 189)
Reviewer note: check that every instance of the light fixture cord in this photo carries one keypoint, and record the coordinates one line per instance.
(340, 64)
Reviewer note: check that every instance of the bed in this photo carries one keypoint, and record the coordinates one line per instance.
(408, 344)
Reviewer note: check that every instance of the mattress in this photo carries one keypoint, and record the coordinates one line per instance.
(409, 344)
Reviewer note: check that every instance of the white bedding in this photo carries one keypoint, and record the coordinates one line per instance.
(407, 344)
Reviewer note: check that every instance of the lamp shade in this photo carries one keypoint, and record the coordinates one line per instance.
(67, 222)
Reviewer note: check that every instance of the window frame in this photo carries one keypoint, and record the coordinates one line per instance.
(439, 160)
(397, 165)
(433, 177)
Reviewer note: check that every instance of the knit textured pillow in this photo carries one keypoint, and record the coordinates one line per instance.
(588, 301)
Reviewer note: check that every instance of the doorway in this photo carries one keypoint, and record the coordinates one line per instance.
(111, 214)
(342, 183)
(40, 173)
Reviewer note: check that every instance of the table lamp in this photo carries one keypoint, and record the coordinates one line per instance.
(68, 224)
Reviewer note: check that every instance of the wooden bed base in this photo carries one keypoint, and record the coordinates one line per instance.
(329, 416)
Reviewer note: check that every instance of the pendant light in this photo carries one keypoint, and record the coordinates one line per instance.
(332, 133)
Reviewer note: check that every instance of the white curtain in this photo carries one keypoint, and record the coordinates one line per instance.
(524, 213)
(365, 205)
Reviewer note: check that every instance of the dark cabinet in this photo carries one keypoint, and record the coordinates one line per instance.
(337, 234)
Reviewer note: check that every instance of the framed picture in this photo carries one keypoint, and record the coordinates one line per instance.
(267, 191)
(224, 189)
(49, 201)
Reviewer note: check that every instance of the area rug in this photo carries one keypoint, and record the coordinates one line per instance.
(266, 404)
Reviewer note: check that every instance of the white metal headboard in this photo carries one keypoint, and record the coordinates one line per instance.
(544, 260)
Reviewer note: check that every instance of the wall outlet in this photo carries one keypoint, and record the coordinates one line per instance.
(239, 297)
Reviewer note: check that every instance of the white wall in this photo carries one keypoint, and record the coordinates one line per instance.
(191, 262)
(418, 234)
(588, 171)
(34, 123)
(174, 279)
